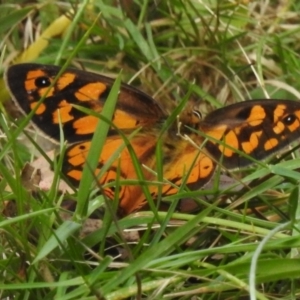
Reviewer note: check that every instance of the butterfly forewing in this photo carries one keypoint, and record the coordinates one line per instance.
(28, 83)
(256, 128)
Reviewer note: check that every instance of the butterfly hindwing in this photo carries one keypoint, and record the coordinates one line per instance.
(115, 163)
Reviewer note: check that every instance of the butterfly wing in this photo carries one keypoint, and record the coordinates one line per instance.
(115, 163)
(257, 128)
(28, 83)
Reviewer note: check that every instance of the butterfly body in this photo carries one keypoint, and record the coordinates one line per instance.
(234, 135)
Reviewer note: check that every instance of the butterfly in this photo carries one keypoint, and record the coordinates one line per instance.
(234, 135)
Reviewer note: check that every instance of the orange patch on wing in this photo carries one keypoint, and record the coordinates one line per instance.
(270, 144)
(279, 111)
(201, 170)
(86, 125)
(77, 154)
(46, 92)
(65, 80)
(216, 133)
(199, 173)
(294, 126)
(91, 91)
(40, 110)
(226, 151)
(63, 113)
(123, 120)
(278, 128)
(253, 142)
(198, 167)
(297, 113)
(206, 167)
(231, 140)
(237, 130)
(75, 174)
(31, 77)
(257, 115)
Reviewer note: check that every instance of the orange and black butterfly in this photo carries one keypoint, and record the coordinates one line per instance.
(254, 128)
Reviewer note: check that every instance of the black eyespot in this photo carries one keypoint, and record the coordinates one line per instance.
(42, 82)
(288, 120)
